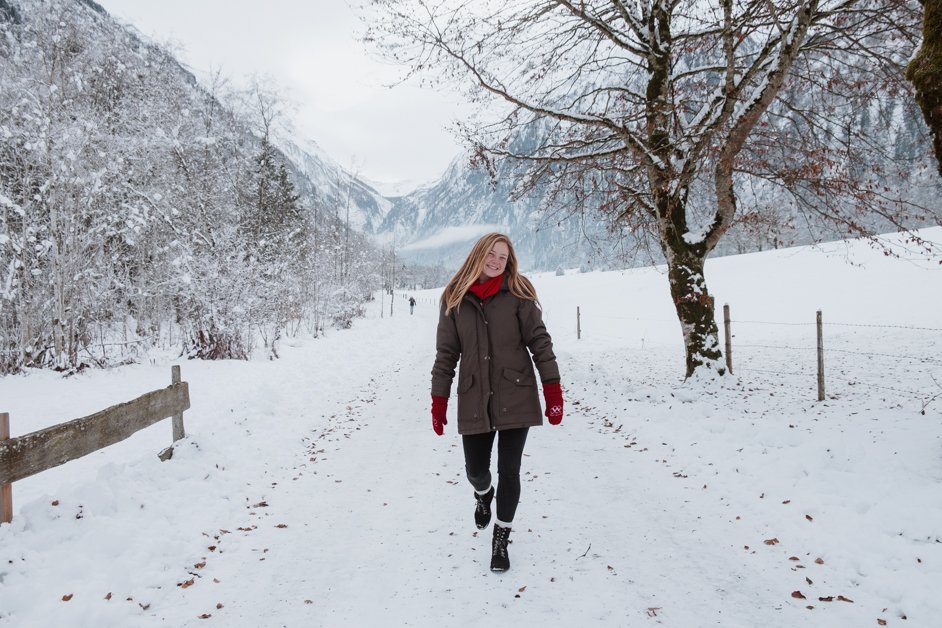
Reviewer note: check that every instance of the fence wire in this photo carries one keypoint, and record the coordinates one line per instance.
(837, 359)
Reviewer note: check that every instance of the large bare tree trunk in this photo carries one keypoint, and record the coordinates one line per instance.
(925, 73)
(695, 309)
(692, 300)
(685, 259)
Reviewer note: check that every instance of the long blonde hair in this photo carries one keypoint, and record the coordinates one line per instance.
(473, 266)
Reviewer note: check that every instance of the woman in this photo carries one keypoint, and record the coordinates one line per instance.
(489, 320)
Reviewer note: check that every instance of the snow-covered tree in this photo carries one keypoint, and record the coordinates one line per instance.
(136, 208)
(660, 112)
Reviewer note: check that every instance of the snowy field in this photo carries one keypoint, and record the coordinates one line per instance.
(311, 491)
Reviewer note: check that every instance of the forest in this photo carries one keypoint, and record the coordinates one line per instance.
(141, 210)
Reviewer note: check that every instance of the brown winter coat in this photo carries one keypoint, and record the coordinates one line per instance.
(496, 384)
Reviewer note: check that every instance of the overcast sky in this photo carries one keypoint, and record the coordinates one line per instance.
(311, 48)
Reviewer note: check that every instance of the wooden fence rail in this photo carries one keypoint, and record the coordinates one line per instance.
(38, 451)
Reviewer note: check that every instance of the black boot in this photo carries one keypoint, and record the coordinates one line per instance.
(500, 561)
(482, 509)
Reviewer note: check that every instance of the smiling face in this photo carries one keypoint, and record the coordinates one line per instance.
(495, 262)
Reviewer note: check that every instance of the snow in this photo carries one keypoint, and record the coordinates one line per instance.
(454, 235)
(311, 490)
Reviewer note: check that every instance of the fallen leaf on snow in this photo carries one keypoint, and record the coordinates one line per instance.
(771, 541)
(798, 595)
(66, 597)
(841, 598)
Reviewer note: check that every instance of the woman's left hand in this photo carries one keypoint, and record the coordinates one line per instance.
(553, 395)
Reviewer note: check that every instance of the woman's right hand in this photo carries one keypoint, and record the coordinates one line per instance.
(439, 408)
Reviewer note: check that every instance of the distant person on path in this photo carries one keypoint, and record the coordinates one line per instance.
(411, 305)
(489, 319)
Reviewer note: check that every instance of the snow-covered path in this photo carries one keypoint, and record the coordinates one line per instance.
(378, 523)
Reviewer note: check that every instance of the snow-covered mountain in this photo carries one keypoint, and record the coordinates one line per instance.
(437, 224)
(331, 186)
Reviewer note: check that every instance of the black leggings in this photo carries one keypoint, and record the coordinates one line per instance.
(477, 463)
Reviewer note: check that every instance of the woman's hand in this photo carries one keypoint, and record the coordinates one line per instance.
(553, 395)
(439, 408)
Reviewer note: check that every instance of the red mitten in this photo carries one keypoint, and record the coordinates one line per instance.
(553, 394)
(439, 407)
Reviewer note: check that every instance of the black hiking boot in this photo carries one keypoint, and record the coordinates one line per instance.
(500, 561)
(482, 509)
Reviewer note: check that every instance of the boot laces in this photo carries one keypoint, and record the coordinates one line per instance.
(500, 541)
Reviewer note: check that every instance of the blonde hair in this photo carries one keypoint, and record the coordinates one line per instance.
(473, 266)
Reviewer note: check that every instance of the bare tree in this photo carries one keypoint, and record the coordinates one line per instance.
(655, 111)
(925, 72)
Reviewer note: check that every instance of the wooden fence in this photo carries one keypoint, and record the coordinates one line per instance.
(30, 454)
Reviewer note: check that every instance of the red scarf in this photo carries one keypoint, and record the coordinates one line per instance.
(488, 288)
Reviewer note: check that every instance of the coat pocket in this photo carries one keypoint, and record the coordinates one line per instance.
(518, 395)
(520, 378)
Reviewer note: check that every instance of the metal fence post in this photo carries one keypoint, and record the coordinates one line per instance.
(820, 358)
(729, 339)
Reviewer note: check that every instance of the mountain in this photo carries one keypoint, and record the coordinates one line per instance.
(329, 185)
(437, 224)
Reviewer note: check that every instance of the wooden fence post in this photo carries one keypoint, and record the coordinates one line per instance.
(820, 358)
(578, 324)
(178, 431)
(729, 339)
(6, 490)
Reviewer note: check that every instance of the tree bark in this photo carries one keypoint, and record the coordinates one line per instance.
(685, 260)
(692, 300)
(695, 309)
(925, 73)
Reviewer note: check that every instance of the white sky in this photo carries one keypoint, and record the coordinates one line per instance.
(336, 86)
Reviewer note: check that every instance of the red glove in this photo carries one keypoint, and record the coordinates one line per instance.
(439, 407)
(553, 394)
